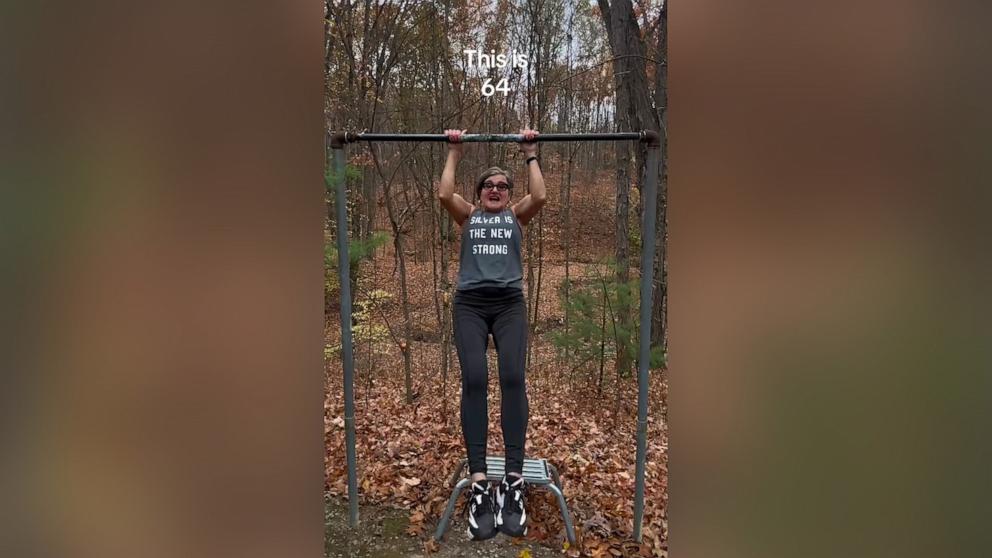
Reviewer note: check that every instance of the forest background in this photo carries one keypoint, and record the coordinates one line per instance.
(399, 67)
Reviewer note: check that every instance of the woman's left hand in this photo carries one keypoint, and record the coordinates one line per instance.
(529, 147)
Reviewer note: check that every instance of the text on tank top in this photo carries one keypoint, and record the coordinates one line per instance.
(490, 251)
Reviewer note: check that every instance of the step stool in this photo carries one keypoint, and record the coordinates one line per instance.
(537, 472)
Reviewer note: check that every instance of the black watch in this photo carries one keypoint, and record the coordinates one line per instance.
(532, 158)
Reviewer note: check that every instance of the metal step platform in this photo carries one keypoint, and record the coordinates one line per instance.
(537, 473)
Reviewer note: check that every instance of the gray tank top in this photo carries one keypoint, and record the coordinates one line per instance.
(490, 253)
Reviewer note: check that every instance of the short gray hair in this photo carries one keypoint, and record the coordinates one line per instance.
(488, 173)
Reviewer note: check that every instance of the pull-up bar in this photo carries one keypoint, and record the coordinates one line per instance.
(338, 141)
(348, 137)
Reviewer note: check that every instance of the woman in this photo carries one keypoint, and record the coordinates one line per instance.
(489, 299)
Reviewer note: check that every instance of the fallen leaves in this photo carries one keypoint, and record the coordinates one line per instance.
(431, 546)
(408, 453)
(597, 524)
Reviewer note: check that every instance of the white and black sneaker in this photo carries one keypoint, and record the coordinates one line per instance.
(481, 513)
(511, 517)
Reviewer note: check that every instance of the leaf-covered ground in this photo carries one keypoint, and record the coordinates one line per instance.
(381, 533)
(408, 452)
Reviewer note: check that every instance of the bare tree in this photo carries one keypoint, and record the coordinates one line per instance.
(400, 256)
(659, 308)
(633, 112)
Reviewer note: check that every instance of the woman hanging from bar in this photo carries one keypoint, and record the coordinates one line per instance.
(489, 300)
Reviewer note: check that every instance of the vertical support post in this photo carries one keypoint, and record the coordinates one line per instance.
(347, 354)
(647, 278)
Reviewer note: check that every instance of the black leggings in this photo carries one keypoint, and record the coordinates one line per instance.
(502, 312)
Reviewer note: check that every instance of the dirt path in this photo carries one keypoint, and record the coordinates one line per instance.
(381, 534)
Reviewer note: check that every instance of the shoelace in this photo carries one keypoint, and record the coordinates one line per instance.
(475, 500)
(511, 500)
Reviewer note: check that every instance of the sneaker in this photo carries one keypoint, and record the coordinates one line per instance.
(481, 513)
(511, 517)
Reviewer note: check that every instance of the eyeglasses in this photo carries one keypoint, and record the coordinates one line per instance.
(501, 186)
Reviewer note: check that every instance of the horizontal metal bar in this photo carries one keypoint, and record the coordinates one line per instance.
(507, 138)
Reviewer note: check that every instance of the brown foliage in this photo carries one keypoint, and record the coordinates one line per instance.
(407, 453)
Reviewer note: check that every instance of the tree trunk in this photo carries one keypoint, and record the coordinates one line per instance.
(634, 112)
(566, 237)
(566, 202)
(602, 346)
(401, 262)
(659, 303)
(443, 227)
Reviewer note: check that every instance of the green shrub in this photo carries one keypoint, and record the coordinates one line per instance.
(358, 250)
(595, 329)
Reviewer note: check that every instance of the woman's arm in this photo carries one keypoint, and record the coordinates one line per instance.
(531, 204)
(454, 203)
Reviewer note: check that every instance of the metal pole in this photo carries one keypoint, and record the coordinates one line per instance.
(492, 138)
(347, 357)
(647, 277)
(339, 139)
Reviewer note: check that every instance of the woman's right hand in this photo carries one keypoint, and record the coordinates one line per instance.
(455, 144)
